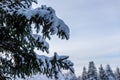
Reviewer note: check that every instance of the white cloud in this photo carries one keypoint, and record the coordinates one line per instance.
(95, 30)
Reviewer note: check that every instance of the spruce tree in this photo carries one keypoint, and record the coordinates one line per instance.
(92, 72)
(102, 74)
(117, 74)
(18, 41)
(84, 74)
(109, 73)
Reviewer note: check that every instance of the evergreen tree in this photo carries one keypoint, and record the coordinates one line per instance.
(84, 74)
(92, 72)
(102, 74)
(117, 74)
(18, 41)
(109, 73)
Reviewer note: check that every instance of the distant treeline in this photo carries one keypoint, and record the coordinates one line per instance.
(92, 74)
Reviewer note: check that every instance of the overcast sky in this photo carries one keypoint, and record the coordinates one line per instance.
(94, 31)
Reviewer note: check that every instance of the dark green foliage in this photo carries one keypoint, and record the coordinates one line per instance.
(84, 74)
(18, 41)
(117, 74)
(102, 74)
(92, 71)
(110, 73)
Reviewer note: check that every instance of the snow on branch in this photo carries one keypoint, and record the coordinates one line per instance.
(41, 40)
(42, 16)
(17, 22)
(51, 66)
(50, 20)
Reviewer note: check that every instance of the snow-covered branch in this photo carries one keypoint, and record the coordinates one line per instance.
(51, 66)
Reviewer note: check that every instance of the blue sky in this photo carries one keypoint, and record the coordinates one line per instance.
(94, 31)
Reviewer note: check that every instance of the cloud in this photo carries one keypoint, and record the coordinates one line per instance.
(95, 31)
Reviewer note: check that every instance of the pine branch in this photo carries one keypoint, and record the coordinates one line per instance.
(22, 29)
